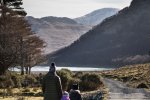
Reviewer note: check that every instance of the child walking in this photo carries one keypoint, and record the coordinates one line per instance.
(75, 92)
(65, 96)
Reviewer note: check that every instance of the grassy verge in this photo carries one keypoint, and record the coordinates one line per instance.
(136, 76)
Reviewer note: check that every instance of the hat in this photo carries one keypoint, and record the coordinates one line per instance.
(75, 87)
(52, 67)
(65, 93)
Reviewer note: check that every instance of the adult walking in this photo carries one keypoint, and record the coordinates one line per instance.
(51, 85)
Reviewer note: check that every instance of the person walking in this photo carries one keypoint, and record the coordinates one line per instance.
(65, 96)
(51, 85)
(75, 93)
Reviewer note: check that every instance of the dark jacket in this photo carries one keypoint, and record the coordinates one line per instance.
(75, 95)
(51, 87)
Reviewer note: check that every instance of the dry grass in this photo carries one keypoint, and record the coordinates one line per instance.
(132, 75)
(17, 91)
(25, 98)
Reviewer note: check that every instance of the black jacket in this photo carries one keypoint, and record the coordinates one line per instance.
(75, 95)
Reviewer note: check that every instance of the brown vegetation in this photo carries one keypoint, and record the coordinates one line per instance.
(137, 76)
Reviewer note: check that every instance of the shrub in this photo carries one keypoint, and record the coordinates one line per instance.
(6, 81)
(90, 82)
(78, 74)
(65, 78)
(31, 79)
(69, 72)
(3, 78)
(17, 80)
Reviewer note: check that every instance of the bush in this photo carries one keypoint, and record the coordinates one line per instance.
(90, 82)
(3, 78)
(65, 78)
(6, 81)
(78, 74)
(17, 80)
(31, 79)
(2, 81)
(69, 72)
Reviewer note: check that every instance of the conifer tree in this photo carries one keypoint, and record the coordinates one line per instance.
(15, 5)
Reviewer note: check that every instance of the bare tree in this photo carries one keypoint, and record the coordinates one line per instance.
(34, 52)
(19, 46)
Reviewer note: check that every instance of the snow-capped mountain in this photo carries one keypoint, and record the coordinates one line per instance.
(96, 16)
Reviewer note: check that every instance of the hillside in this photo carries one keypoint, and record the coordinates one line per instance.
(57, 32)
(96, 16)
(119, 40)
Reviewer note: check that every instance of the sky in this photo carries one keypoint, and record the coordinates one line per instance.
(69, 8)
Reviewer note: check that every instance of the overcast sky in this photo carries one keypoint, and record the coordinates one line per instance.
(69, 8)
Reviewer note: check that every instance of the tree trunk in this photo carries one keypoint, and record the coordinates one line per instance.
(2, 70)
(29, 70)
(22, 70)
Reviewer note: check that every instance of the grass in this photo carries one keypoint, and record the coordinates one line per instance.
(36, 90)
(17, 93)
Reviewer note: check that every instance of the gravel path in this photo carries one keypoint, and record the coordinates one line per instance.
(119, 91)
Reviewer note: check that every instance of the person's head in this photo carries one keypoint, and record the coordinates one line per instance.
(66, 93)
(75, 87)
(52, 67)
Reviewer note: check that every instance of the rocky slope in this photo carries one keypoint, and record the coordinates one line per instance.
(119, 40)
(96, 16)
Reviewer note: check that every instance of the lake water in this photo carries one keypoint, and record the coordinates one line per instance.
(46, 68)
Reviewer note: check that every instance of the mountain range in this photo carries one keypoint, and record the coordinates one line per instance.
(59, 32)
(119, 40)
(97, 16)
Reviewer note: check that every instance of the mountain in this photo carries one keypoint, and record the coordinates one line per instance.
(57, 32)
(96, 16)
(119, 40)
